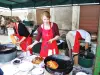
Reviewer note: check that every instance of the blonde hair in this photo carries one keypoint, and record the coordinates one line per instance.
(17, 19)
(45, 13)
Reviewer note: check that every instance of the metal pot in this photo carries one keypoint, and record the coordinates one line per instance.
(7, 48)
(7, 52)
(64, 62)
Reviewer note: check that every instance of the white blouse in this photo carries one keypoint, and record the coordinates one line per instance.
(84, 34)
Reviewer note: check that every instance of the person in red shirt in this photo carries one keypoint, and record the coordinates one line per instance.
(73, 40)
(49, 33)
(23, 36)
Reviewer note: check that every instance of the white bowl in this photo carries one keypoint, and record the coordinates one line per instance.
(16, 61)
(81, 73)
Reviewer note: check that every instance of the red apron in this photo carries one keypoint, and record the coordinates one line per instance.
(25, 43)
(46, 36)
(76, 47)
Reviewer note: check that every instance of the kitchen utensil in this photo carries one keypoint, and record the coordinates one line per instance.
(66, 68)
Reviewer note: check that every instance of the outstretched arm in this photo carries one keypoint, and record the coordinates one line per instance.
(30, 46)
(55, 38)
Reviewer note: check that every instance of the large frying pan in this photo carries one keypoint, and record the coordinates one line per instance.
(65, 64)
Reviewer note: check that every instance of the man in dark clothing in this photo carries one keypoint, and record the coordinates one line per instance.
(1, 72)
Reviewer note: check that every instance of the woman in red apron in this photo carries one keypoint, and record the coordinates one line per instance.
(22, 34)
(74, 38)
(49, 33)
(48, 48)
(26, 40)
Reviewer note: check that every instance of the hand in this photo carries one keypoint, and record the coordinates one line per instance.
(29, 47)
(17, 43)
(50, 41)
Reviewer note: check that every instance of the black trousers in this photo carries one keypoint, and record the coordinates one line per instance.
(4, 29)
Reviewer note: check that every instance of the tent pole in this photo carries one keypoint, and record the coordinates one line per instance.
(11, 12)
(97, 60)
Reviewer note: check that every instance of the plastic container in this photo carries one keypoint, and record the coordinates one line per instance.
(86, 61)
(13, 39)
